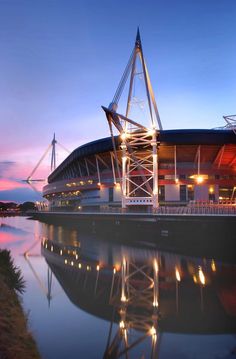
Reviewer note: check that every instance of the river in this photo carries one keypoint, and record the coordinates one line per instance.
(90, 297)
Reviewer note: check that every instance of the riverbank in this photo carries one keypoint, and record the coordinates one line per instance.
(16, 342)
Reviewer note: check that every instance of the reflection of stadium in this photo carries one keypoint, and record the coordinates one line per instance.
(145, 165)
(149, 289)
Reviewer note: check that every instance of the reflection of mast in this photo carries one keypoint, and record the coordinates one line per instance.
(46, 291)
(137, 308)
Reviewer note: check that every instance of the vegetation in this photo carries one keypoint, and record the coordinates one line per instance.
(9, 207)
(15, 340)
(4, 206)
(10, 273)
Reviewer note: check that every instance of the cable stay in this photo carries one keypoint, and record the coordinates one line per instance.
(230, 122)
(133, 70)
(52, 148)
(34, 188)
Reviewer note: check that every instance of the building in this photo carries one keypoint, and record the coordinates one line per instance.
(193, 165)
(144, 166)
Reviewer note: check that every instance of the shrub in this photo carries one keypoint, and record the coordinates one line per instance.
(11, 274)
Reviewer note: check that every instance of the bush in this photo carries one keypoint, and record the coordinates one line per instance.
(11, 274)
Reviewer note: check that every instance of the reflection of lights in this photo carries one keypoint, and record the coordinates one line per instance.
(51, 248)
(201, 276)
(114, 270)
(98, 267)
(176, 180)
(46, 245)
(213, 266)
(122, 325)
(211, 190)
(72, 263)
(76, 256)
(177, 275)
(153, 331)
(155, 303)
(61, 252)
(65, 261)
(155, 265)
(195, 279)
(79, 265)
(99, 183)
(123, 298)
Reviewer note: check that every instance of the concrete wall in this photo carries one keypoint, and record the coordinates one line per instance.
(201, 192)
(93, 196)
(172, 192)
(216, 191)
(117, 193)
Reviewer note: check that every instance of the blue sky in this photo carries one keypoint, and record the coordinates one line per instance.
(61, 60)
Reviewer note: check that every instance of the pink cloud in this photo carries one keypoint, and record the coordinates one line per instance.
(8, 185)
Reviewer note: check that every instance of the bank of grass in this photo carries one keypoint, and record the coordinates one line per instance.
(16, 342)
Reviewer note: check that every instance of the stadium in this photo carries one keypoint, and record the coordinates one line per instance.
(143, 167)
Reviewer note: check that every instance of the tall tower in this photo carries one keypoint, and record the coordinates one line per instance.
(138, 136)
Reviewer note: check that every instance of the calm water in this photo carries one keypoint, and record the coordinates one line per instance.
(91, 298)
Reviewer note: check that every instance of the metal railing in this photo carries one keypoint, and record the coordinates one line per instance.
(190, 209)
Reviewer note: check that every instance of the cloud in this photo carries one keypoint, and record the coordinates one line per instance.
(20, 195)
(5, 166)
(8, 185)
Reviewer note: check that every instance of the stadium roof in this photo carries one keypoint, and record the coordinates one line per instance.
(197, 137)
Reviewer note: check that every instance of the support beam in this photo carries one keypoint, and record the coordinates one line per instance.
(53, 156)
(79, 167)
(98, 170)
(139, 180)
(175, 163)
(197, 154)
(232, 161)
(39, 162)
(86, 165)
(102, 161)
(113, 168)
(91, 163)
(219, 156)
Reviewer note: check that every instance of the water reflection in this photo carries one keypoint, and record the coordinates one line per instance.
(143, 293)
(91, 298)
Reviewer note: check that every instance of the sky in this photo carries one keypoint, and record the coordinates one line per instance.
(62, 60)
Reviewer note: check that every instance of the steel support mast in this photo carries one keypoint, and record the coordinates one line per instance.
(139, 143)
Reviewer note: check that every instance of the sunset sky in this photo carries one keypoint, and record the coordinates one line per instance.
(61, 60)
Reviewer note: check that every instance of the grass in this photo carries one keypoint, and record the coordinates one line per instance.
(16, 342)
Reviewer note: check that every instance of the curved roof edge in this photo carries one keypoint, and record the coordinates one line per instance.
(177, 137)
